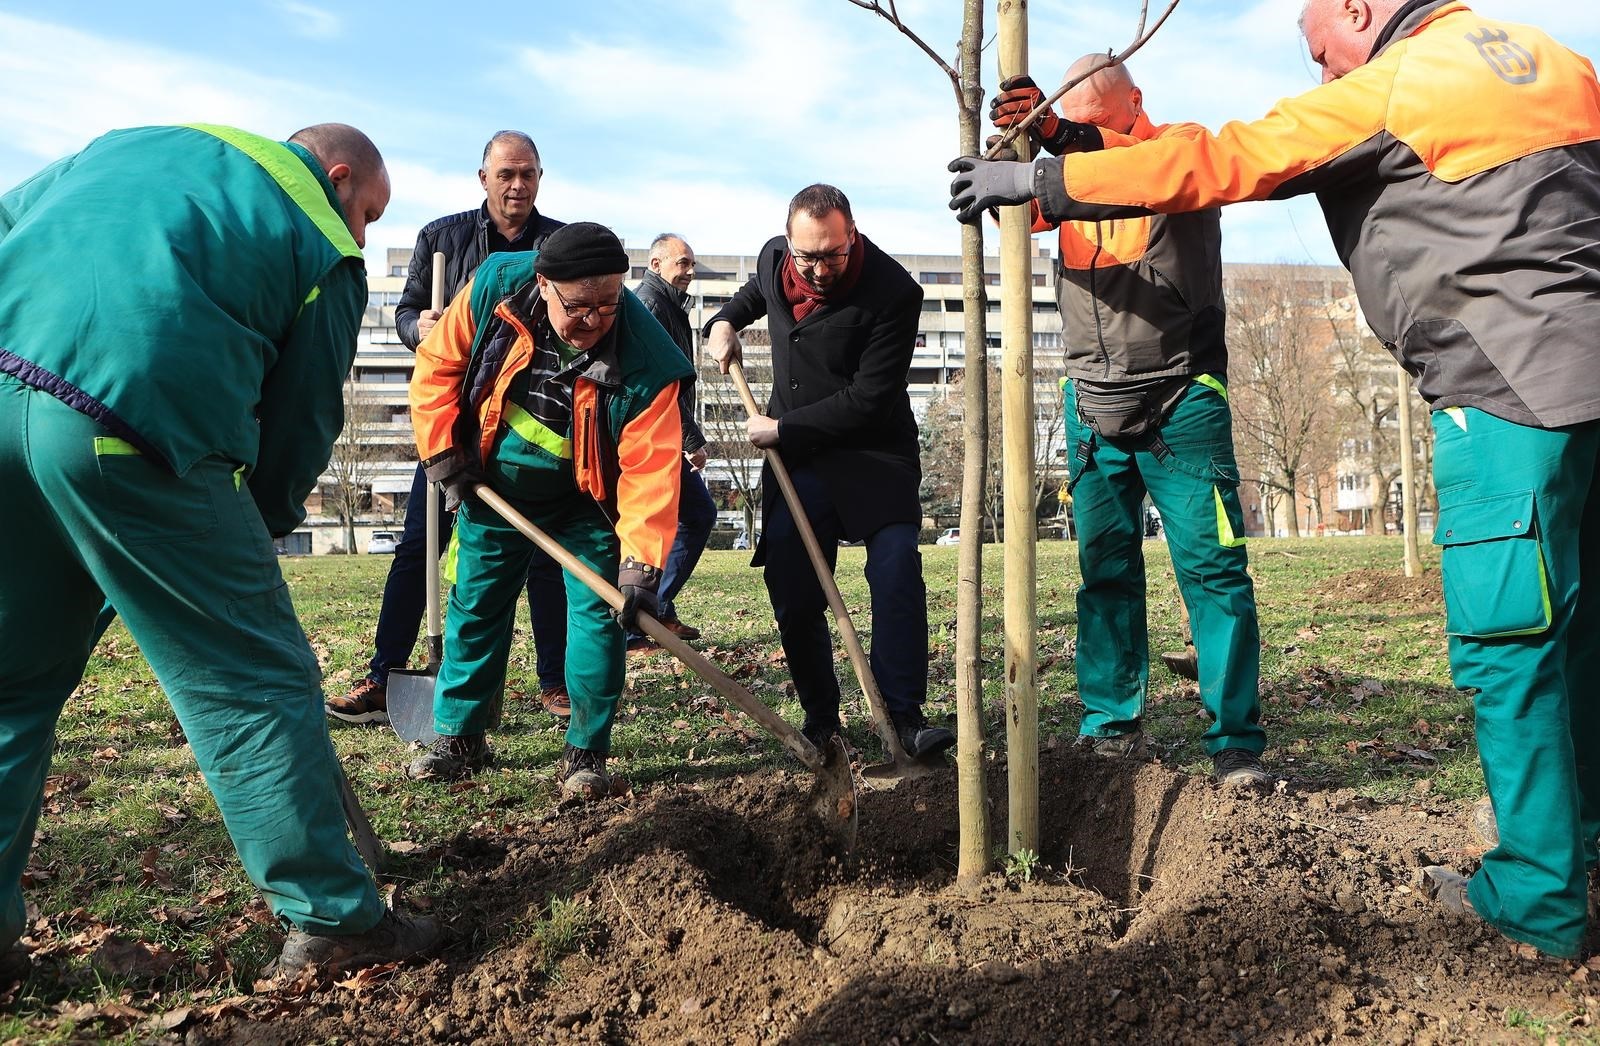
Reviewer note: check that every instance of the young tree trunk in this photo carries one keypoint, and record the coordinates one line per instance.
(972, 856)
(1021, 625)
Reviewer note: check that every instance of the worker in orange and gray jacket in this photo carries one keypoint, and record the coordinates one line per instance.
(1457, 160)
(553, 385)
(1147, 413)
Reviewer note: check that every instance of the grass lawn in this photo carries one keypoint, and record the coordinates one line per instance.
(1356, 694)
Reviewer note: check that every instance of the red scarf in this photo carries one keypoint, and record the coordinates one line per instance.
(805, 299)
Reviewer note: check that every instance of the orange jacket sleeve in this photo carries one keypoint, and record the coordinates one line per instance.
(1297, 147)
(648, 453)
(441, 368)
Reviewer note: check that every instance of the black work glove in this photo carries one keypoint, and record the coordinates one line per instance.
(981, 184)
(1018, 97)
(458, 488)
(638, 583)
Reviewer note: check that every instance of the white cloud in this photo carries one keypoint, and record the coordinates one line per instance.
(313, 23)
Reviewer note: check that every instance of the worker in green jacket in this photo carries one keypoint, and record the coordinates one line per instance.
(178, 314)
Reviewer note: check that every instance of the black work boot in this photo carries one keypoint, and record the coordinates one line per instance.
(583, 774)
(451, 758)
(1113, 746)
(1239, 768)
(819, 734)
(396, 936)
(918, 737)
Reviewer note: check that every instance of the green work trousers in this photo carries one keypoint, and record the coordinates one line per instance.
(1189, 472)
(1519, 537)
(491, 565)
(189, 565)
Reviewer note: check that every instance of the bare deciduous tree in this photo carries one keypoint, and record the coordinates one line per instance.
(1280, 377)
(356, 456)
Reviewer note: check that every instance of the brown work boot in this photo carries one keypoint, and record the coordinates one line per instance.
(687, 633)
(642, 645)
(557, 701)
(367, 704)
(395, 937)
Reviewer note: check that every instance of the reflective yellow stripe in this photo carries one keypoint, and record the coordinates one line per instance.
(1225, 535)
(106, 446)
(1213, 384)
(1457, 415)
(537, 432)
(238, 476)
(447, 569)
(316, 292)
(292, 176)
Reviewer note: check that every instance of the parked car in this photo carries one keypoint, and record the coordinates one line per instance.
(742, 542)
(949, 537)
(382, 543)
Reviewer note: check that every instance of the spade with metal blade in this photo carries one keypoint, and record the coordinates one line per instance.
(833, 794)
(901, 765)
(410, 693)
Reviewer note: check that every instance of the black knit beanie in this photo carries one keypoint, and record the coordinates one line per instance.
(580, 250)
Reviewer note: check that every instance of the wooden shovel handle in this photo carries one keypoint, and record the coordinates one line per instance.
(830, 588)
(742, 699)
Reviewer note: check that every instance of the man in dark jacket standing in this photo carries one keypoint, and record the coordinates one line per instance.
(507, 220)
(843, 319)
(665, 292)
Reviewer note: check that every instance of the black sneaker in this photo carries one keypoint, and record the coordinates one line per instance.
(1239, 768)
(918, 737)
(451, 758)
(395, 937)
(583, 774)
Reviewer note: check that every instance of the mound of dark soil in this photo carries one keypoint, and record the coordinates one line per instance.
(1382, 586)
(1169, 911)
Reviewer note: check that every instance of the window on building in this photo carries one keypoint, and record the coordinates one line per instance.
(397, 270)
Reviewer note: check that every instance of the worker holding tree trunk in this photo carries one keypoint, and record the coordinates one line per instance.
(553, 385)
(1147, 412)
(170, 389)
(1457, 161)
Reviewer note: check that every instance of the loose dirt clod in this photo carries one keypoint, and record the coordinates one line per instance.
(1167, 911)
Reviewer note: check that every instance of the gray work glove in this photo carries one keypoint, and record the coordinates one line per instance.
(458, 488)
(981, 184)
(638, 583)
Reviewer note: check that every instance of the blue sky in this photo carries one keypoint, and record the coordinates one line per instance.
(699, 117)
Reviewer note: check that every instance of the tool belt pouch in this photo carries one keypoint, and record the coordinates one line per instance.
(1128, 415)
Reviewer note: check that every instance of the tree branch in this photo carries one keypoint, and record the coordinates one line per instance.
(892, 16)
(1140, 39)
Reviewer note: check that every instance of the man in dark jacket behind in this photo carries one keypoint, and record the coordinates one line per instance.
(507, 220)
(843, 319)
(665, 292)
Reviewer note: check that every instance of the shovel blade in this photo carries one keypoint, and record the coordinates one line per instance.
(410, 701)
(887, 775)
(833, 796)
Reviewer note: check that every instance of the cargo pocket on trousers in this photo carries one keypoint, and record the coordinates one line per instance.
(1495, 583)
(271, 640)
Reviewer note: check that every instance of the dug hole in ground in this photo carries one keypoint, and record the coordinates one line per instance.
(1169, 911)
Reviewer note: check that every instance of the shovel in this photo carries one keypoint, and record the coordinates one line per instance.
(410, 696)
(833, 794)
(901, 766)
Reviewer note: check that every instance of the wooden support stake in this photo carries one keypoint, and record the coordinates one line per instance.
(1408, 486)
(1016, 321)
